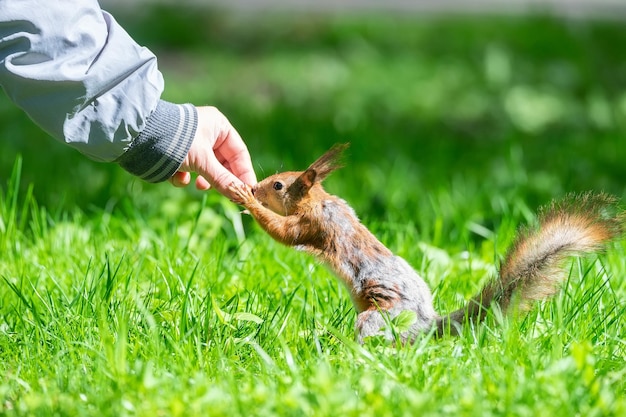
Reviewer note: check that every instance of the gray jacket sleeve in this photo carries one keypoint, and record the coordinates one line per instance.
(81, 78)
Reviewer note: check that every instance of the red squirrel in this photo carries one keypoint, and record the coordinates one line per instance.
(294, 209)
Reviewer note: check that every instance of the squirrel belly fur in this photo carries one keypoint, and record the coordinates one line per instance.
(294, 209)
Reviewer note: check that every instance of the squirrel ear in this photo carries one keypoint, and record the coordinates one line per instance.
(328, 162)
(308, 178)
(303, 183)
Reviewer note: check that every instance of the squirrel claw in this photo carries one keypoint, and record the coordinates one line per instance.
(242, 193)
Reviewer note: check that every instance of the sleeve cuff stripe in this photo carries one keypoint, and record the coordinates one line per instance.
(171, 160)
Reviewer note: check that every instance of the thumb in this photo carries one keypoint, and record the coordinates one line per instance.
(218, 176)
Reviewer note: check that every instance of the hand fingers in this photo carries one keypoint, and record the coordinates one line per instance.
(218, 155)
(219, 177)
(202, 184)
(180, 179)
(183, 179)
(241, 169)
(231, 149)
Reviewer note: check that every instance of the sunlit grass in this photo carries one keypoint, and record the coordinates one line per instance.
(103, 315)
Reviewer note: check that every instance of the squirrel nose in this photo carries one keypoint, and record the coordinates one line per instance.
(253, 189)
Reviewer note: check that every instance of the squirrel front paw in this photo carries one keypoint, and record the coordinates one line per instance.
(242, 192)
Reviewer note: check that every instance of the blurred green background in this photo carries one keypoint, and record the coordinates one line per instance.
(438, 108)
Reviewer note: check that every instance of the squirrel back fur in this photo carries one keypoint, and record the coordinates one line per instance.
(295, 210)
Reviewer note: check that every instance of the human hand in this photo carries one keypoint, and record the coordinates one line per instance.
(218, 155)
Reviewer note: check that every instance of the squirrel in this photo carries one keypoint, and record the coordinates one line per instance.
(294, 209)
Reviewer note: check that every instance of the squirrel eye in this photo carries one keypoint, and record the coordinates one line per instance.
(278, 186)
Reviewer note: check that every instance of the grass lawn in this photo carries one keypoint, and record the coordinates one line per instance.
(124, 298)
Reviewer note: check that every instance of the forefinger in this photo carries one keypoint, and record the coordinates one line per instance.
(233, 151)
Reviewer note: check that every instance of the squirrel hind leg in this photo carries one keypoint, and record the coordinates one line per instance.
(377, 323)
(371, 323)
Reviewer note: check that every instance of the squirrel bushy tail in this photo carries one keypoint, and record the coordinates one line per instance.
(533, 268)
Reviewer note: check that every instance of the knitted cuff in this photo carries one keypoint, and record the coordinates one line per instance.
(159, 150)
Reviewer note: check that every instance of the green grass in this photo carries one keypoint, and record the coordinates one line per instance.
(123, 298)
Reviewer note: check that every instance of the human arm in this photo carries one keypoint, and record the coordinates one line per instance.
(82, 79)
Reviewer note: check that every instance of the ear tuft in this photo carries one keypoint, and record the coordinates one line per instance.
(328, 162)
